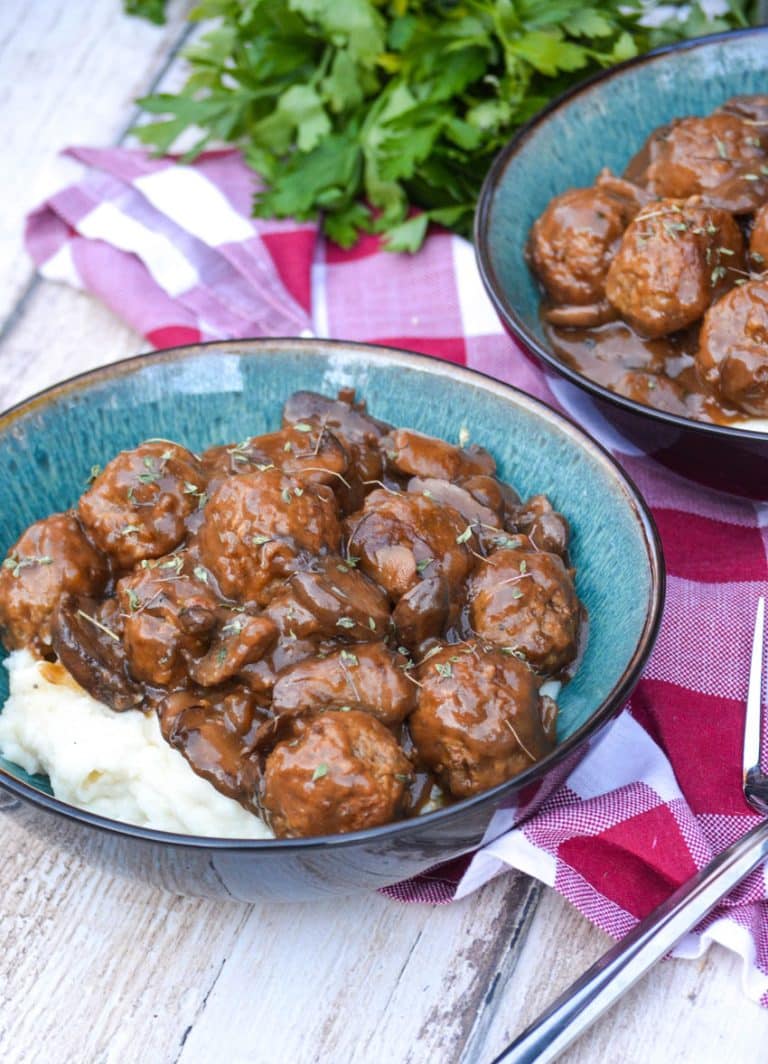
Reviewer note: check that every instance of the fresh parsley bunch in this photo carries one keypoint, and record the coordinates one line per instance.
(359, 110)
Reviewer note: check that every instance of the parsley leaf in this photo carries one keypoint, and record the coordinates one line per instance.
(359, 111)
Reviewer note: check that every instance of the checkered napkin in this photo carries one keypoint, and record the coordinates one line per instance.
(174, 252)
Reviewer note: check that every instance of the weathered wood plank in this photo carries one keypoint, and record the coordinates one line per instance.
(682, 1011)
(377, 982)
(70, 71)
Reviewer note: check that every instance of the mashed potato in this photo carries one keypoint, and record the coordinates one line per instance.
(115, 764)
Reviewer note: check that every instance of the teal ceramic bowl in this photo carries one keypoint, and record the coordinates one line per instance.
(603, 122)
(216, 393)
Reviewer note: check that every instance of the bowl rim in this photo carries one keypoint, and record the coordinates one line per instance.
(382, 355)
(482, 225)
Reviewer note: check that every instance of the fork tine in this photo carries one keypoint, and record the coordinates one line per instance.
(753, 722)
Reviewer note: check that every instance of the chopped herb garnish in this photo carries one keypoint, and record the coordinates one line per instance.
(344, 709)
(751, 177)
(348, 658)
(302, 426)
(402, 777)
(200, 573)
(372, 624)
(523, 566)
(129, 530)
(221, 655)
(722, 151)
(153, 472)
(507, 542)
(320, 771)
(98, 624)
(259, 541)
(16, 564)
(286, 493)
(422, 565)
(175, 562)
(288, 446)
(133, 600)
(95, 471)
(717, 274)
(463, 436)
(464, 536)
(445, 669)
(345, 622)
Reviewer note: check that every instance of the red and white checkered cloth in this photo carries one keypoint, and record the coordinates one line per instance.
(174, 252)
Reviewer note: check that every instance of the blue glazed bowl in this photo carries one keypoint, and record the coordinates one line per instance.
(219, 392)
(603, 122)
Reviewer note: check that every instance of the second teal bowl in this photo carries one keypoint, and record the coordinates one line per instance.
(603, 122)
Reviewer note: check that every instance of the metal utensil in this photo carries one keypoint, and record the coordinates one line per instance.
(618, 969)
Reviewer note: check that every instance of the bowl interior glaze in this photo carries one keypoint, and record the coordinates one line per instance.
(223, 392)
(600, 124)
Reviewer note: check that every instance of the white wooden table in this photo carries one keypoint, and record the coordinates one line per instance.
(98, 969)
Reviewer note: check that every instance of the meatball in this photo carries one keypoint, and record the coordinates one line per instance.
(526, 603)
(758, 241)
(51, 558)
(215, 731)
(673, 261)
(302, 451)
(367, 677)
(339, 772)
(479, 718)
(572, 244)
(256, 526)
(732, 358)
(400, 537)
(720, 157)
(137, 507)
(416, 455)
(168, 615)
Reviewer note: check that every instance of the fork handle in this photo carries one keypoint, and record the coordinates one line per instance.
(618, 969)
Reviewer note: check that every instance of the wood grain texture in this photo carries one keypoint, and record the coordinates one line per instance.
(70, 72)
(94, 968)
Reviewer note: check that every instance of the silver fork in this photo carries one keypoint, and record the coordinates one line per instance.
(618, 969)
